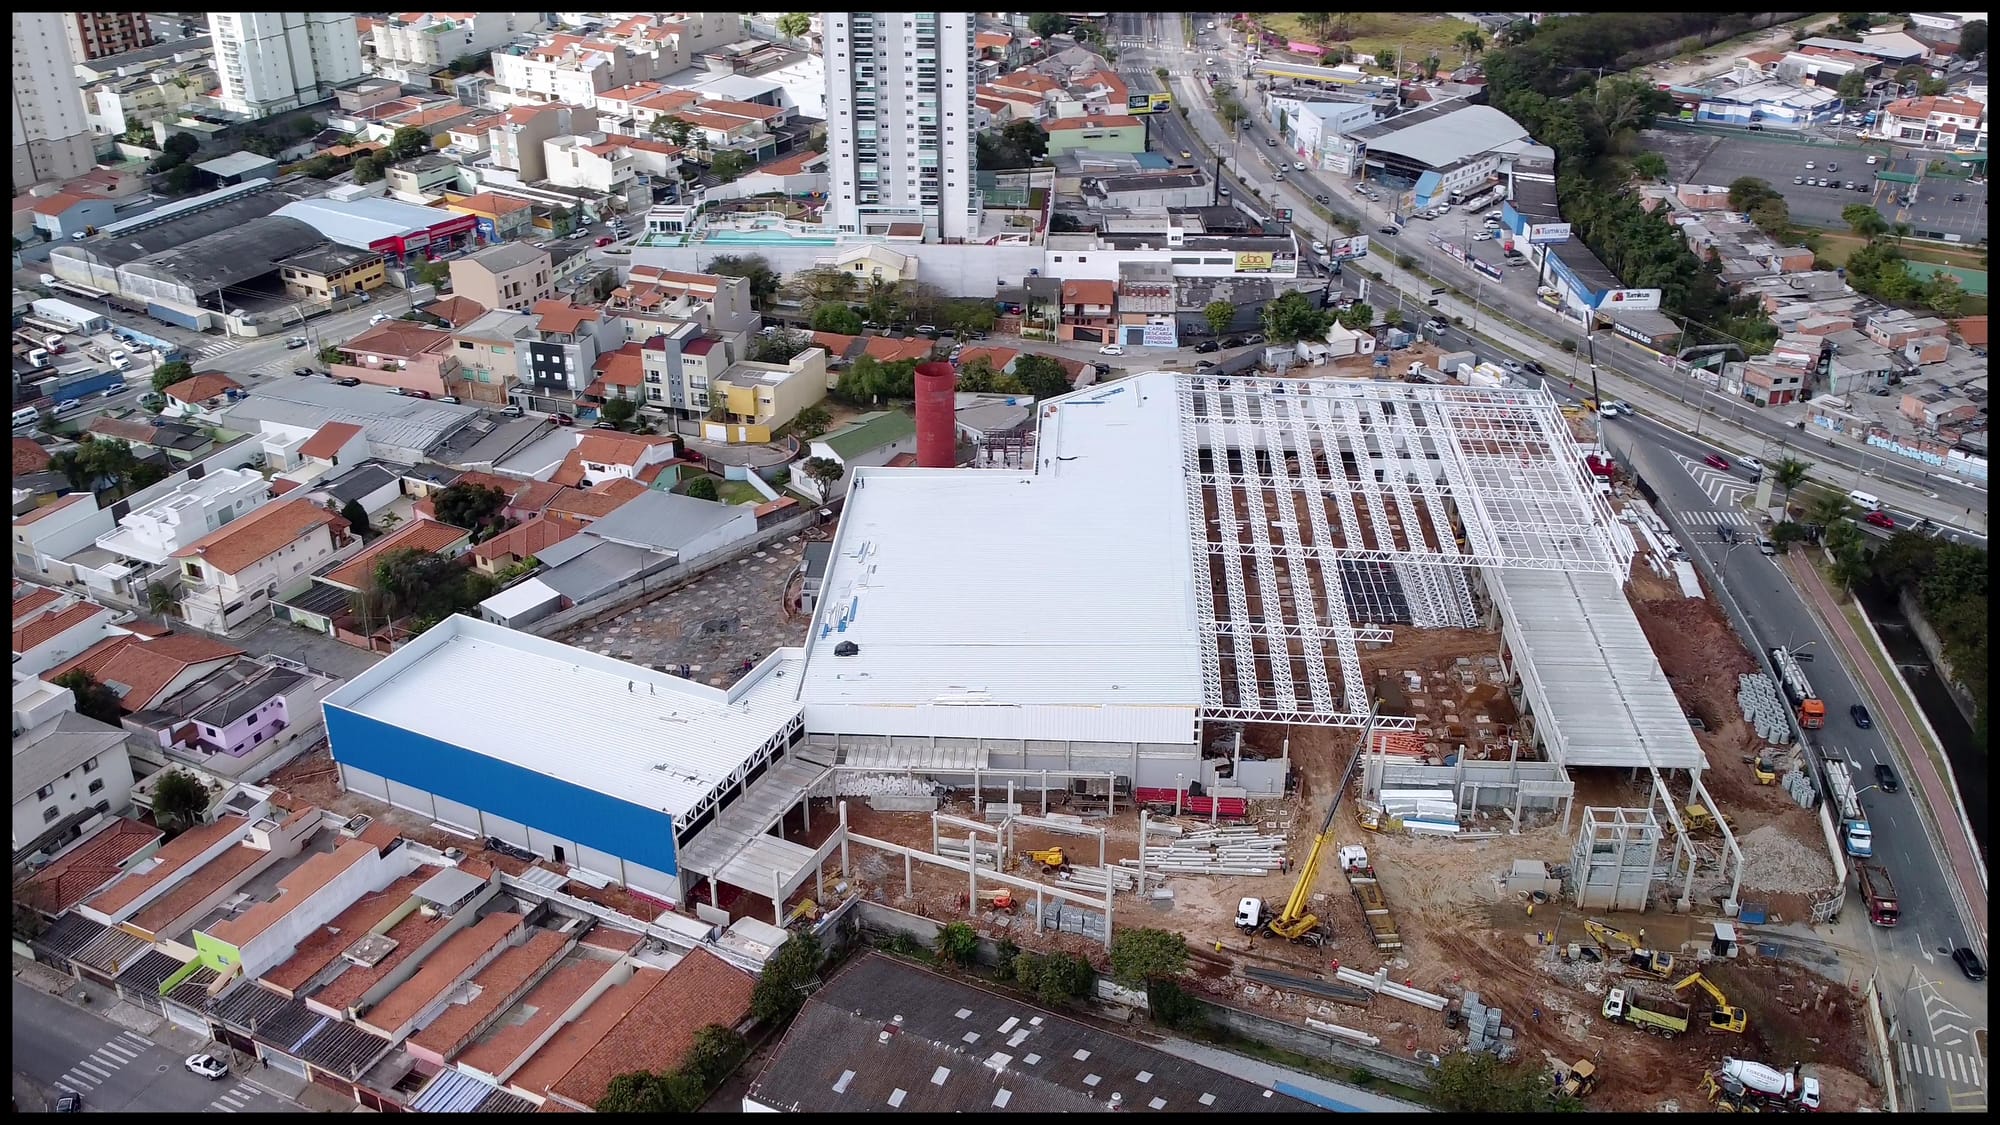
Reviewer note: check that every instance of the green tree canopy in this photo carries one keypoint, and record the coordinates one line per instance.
(812, 421)
(1478, 1083)
(794, 25)
(823, 471)
(1359, 317)
(755, 269)
(782, 346)
(1047, 24)
(1293, 317)
(1220, 315)
(702, 488)
(178, 797)
(836, 318)
(1041, 376)
(93, 700)
(730, 165)
(356, 517)
(1650, 166)
(868, 380)
(618, 411)
(1146, 954)
(469, 505)
(167, 374)
(790, 974)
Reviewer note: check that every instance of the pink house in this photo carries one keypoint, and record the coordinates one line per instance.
(404, 355)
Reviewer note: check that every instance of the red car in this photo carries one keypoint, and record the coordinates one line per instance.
(1716, 461)
(1880, 519)
(562, 419)
(606, 240)
(693, 455)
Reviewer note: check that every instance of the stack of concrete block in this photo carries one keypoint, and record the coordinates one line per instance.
(1758, 697)
(1798, 784)
(1485, 1033)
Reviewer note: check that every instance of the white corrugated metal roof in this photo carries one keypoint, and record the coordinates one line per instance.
(1605, 700)
(1071, 585)
(616, 728)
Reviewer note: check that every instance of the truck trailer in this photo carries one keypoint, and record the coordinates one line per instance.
(1661, 1017)
(1880, 892)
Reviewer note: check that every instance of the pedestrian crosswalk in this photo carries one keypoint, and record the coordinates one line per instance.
(1698, 520)
(91, 1070)
(1936, 1062)
(220, 347)
(239, 1097)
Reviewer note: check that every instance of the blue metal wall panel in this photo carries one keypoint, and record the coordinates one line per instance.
(570, 812)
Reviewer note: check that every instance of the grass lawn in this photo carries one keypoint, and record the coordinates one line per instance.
(738, 492)
(1835, 246)
(1379, 33)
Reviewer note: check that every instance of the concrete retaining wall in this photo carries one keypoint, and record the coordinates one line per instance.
(1934, 648)
(1318, 1044)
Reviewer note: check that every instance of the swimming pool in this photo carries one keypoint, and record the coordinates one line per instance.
(766, 238)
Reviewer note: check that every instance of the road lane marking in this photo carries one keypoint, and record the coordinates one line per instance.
(1903, 1052)
(136, 1038)
(106, 1058)
(80, 1076)
(119, 1051)
(85, 1065)
(232, 1100)
(1951, 1063)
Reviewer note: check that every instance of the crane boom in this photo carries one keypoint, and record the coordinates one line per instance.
(1295, 921)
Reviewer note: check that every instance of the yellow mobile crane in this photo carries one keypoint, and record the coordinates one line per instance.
(1295, 922)
(1725, 1017)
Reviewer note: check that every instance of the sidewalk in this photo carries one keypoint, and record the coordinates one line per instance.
(1960, 855)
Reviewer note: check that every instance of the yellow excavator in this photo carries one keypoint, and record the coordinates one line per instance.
(1639, 957)
(1295, 922)
(1051, 859)
(1725, 1016)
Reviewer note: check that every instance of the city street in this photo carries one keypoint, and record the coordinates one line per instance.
(1626, 370)
(61, 1049)
(1942, 906)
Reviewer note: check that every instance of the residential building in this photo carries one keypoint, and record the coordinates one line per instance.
(423, 42)
(657, 1031)
(94, 35)
(48, 534)
(871, 439)
(159, 93)
(591, 161)
(679, 366)
(889, 1031)
(575, 68)
(1771, 384)
(52, 138)
(265, 933)
(401, 429)
(600, 456)
(1110, 133)
(68, 771)
(270, 62)
(511, 276)
(194, 508)
(401, 354)
(233, 574)
(757, 398)
(84, 867)
(562, 357)
(1087, 306)
(517, 137)
(202, 397)
(422, 179)
(231, 713)
(1949, 121)
(489, 351)
(50, 626)
(899, 123)
(143, 670)
(619, 374)
(520, 543)
(652, 297)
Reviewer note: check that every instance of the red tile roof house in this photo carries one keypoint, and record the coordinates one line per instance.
(88, 867)
(654, 1031)
(235, 572)
(500, 957)
(144, 671)
(602, 455)
(319, 952)
(197, 871)
(201, 398)
(499, 1051)
(401, 354)
(311, 895)
(51, 626)
(519, 543)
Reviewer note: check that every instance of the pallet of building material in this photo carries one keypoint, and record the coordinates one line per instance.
(1309, 985)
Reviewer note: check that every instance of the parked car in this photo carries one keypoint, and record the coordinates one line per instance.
(1716, 461)
(1968, 963)
(1187, 154)
(380, 318)
(304, 372)
(70, 1103)
(1513, 365)
(605, 240)
(563, 419)
(1204, 365)
(413, 392)
(1859, 713)
(1270, 142)
(1318, 246)
(1111, 349)
(1798, 179)
(1207, 346)
(1389, 230)
(512, 410)
(1323, 197)
(692, 455)
(208, 1066)
(1483, 236)
(1233, 342)
(1880, 519)
(1885, 776)
(1536, 368)
(1298, 166)
(349, 381)
(604, 425)
(1222, 190)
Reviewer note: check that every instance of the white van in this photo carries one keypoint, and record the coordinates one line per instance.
(1864, 501)
(26, 416)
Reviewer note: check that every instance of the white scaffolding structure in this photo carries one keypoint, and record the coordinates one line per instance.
(1447, 479)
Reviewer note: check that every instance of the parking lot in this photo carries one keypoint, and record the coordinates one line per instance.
(1705, 158)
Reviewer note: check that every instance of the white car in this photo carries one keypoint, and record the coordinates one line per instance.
(1208, 62)
(1513, 365)
(1809, 165)
(1299, 166)
(1318, 247)
(380, 318)
(207, 1066)
(1483, 236)
(1111, 349)
(1871, 160)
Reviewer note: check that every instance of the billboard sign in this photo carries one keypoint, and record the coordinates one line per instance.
(1345, 249)
(1253, 261)
(1548, 232)
(1485, 267)
(1630, 300)
(1160, 334)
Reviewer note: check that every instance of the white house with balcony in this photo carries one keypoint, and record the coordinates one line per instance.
(233, 574)
(193, 509)
(69, 769)
(411, 45)
(590, 161)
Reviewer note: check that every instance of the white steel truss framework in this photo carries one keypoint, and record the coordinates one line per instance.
(1289, 483)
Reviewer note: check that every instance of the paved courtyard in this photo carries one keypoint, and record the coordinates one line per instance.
(714, 624)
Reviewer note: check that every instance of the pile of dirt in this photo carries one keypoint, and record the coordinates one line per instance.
(1774, 860)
